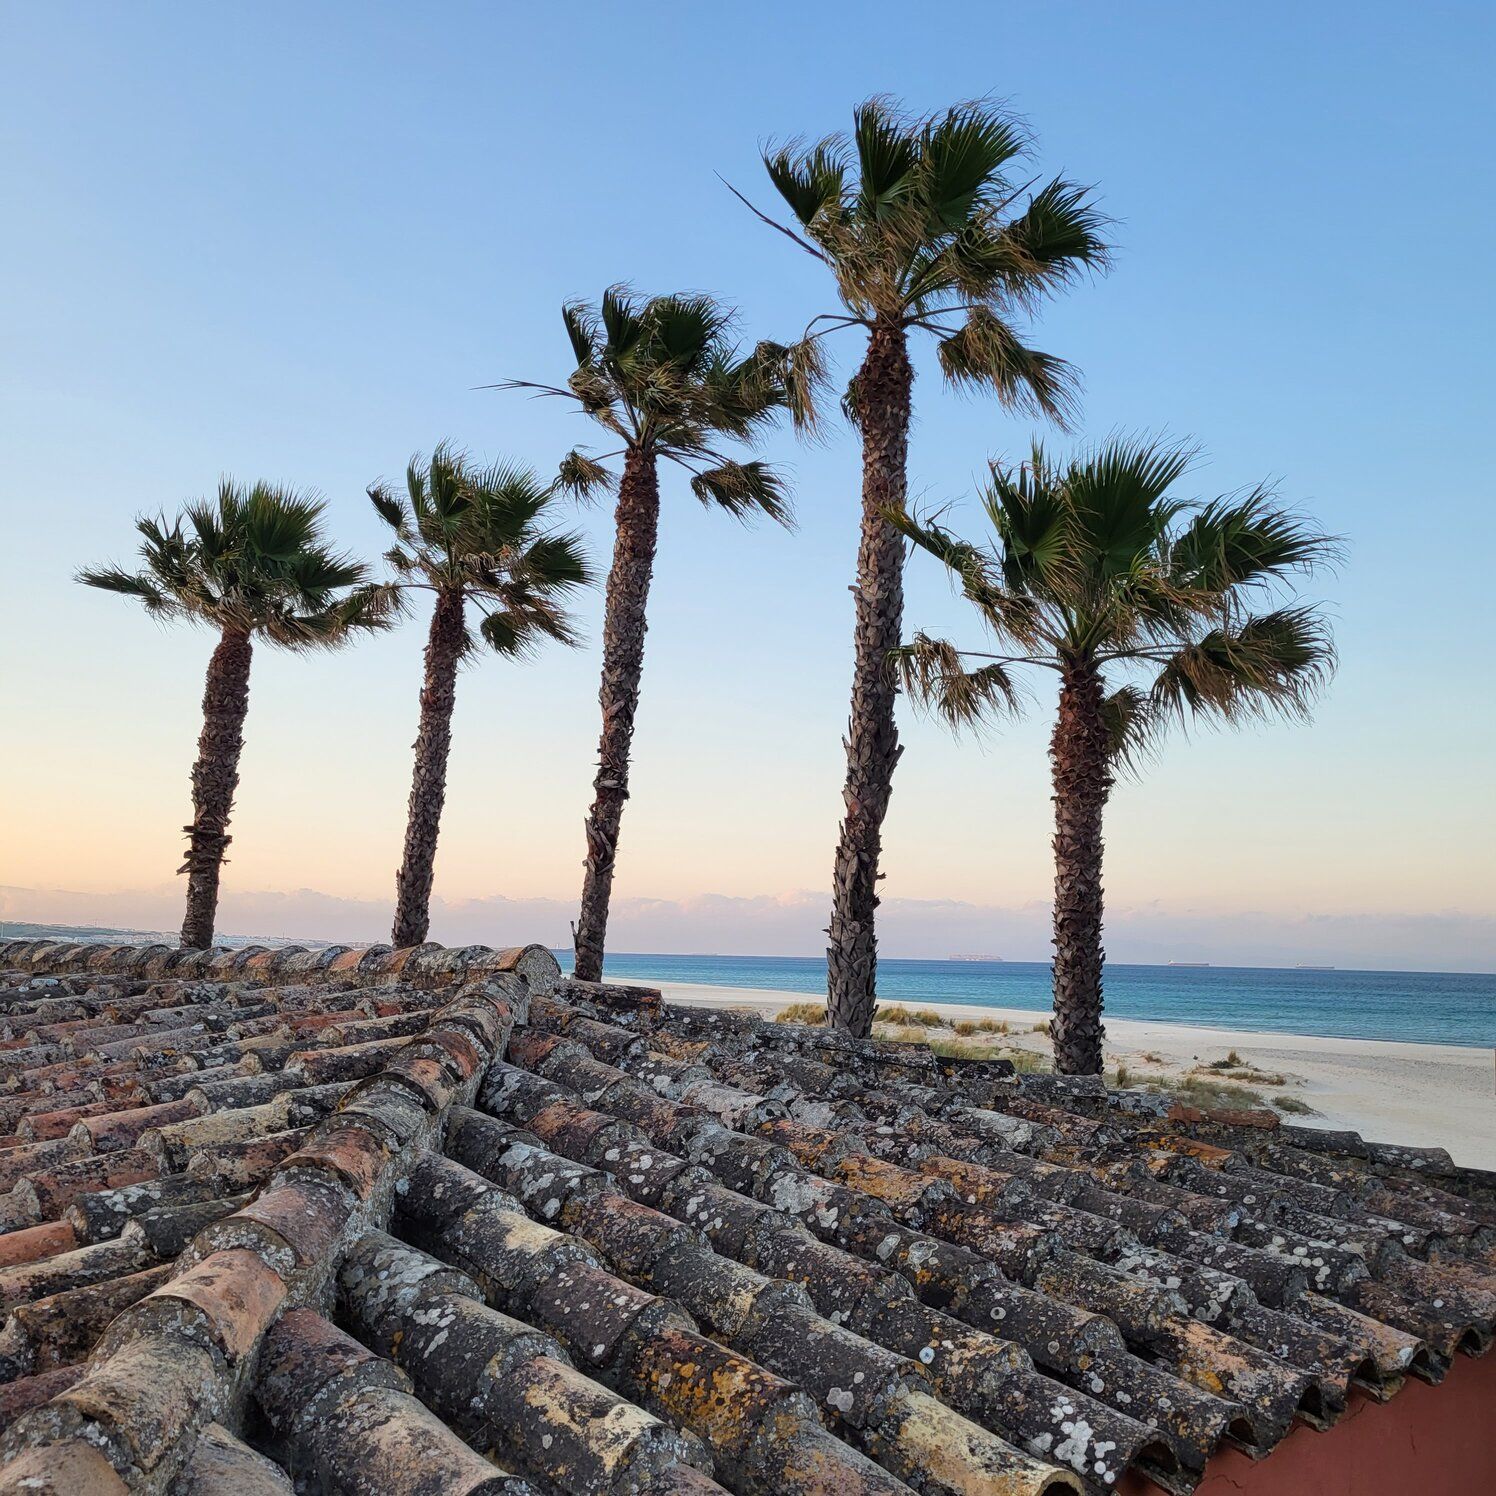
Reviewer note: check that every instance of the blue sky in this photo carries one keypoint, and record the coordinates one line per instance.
(289, 240)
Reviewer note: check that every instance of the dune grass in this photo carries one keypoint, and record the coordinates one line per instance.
(923, 1017)
(966, 1027)
(812, 1013)
(1294, 1106)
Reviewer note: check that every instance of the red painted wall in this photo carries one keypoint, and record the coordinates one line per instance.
(1426, 1440)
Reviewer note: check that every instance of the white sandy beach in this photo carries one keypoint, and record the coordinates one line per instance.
(1430, 1095)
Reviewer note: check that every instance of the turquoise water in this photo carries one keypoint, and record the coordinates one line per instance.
(1423, 1007)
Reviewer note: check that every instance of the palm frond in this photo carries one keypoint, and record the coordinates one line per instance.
(1249, 541)
(933, 674)
(1119, 496)
(743, 489)
(557, 562)
(621, 321)
(812, 182)
(388, 507)
(887, 149)
(961, 157)
(156, 600)
(583, 477)
(582, 328)
(1275, 663)
(1057, 238)
(252, 558)
(1131, 719)
(985, 353)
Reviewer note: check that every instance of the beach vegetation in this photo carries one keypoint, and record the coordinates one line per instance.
(1294, 1106)
(1151, 611)
(252, 564)
(483, 542)
(968, 1026)
(665, 379)
(812, 1013)
(923, 1017)
(1208, 1091)
(926, 225)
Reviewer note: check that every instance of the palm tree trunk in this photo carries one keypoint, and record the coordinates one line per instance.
(215, 777)
(428, 785)
(637, 522)
(1082, 781)
(882, 392)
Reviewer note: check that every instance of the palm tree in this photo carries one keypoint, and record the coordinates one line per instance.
(465, 535)
(924, 227)
(1142, 604)
(253, 564)
(662, 376)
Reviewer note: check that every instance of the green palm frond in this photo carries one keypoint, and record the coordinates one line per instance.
(155, 598)
(502, 633)
(685, 331)
(1118, 497)
(742, 489)
(813, 182)
(621, 322)
(934, 676)
(389, 508)
(1249, 541)
(985, 353)
(556, 563)
(582, 328)
(887, 157)
(961, 157)
(1275, 663)
(1057, 238)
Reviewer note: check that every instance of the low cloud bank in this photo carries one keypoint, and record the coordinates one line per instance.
(792, 925)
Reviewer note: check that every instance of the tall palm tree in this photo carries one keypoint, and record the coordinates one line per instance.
(478, 535)
(662, 376)
(925, 225)
(252, 564)
(1142, 604)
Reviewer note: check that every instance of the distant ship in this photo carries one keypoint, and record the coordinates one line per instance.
(968, 956)
(1305, 966)
(1191, 965)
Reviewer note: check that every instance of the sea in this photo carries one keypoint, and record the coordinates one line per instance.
(1410, 1006)
(1427, 1007)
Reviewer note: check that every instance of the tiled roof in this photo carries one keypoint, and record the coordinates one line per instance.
(438, 1221)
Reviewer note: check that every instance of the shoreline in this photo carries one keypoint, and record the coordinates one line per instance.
(1424, 1095)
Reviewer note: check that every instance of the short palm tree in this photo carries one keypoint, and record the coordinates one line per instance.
(662, 376)
(252, 564)
(925, 226)
(1142, 604)
(479, 536)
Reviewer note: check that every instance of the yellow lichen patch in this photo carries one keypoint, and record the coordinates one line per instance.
(975, 1183)
(706, 1388)
(883, 1181)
